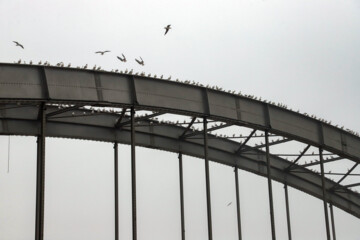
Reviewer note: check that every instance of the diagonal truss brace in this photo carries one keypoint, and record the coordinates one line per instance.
(139, 119)
(208, 130)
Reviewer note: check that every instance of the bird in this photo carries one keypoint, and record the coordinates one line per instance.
(167, 28)
(122, 59)
(18, 44)
(229, 204)
(102, 52)
(140, 62)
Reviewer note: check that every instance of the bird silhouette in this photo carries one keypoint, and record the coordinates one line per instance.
(18, 44)
(122, 59)
(229, 204)
(102, 52)
(167, 28)
(140, 62)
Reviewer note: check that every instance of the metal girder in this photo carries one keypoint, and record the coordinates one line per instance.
(187, 128)
(166, 137)
(51, 84)
(138, 119)
(298, 158)
(64, 110)
(324, 161)
(324, 195)
(352, 185)
(238, 215)
(118, 122)
(245, 142)
(40, 176)
(208, 130)
(264, 145)
(207, 180)
(268, 171)
(347, 174)
(182, 211)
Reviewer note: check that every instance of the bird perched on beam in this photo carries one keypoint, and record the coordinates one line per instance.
(140, 62)
(18, 44)
(102, 52)
(123, 59)
(167, 28)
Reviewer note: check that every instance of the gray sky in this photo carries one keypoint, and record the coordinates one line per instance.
(304, 54)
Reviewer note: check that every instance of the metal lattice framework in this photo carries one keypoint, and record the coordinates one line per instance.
(46, 101)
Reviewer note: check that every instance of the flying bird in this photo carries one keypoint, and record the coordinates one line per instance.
(140, 62)
(167, 28)
(18, 44)
(122, 59)
(102, 52)
(229, 204)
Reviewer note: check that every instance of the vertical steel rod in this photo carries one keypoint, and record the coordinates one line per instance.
(116, 192)
(270, 186)
(181, 197)
(287, 210)
(40, 177)
(332, 221)
(207, 175)
(133, 174)
(324, 195)
(238, 203)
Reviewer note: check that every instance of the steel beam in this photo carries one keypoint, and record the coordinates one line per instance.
(207, 175)
(324, 195)
(208, 130)
(238, 203)
(264, 145)
(270, 186)
(118, 122)
(133, 174)
(332, 221)
(187, 128)
(119, 125)
(287, 210)
(324, 161)
(181, 197)
(347, 174)
(298, 158)
(40, 176)
(116, 192)
(246, 140)
(64, 110)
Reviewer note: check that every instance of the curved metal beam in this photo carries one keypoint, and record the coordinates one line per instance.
(100, 127)
(54, 84)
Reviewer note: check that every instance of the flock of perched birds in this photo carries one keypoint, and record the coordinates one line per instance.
(122, 59)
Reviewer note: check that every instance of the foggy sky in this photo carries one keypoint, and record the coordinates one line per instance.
(305, 54)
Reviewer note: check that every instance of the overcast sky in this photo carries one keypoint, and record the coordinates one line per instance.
(303, 53)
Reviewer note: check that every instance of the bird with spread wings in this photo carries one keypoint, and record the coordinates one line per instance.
(102, 52)
(167, 28)
(18, 44)
(140, 62)
(123, 59)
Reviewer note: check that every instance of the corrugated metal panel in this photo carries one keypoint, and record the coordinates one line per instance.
(169, 95)
(20, 82)
(71, 85)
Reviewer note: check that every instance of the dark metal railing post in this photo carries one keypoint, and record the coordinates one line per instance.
(181, 197)
(133, 174)
(332, 221)
(207, 175)
(287, 210)
(324, 195)
(270, 186)
(116, 192)
(40, 177)
(238, 203)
